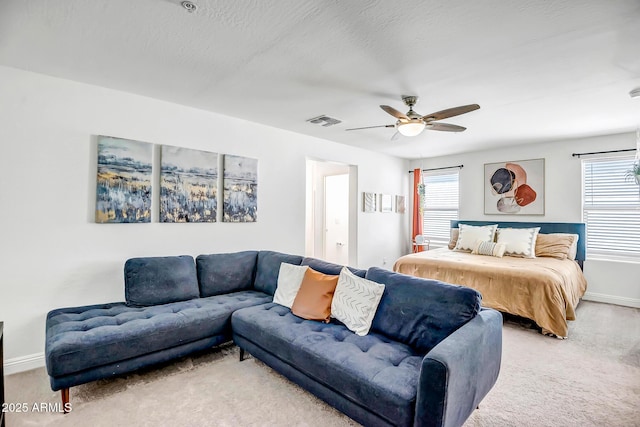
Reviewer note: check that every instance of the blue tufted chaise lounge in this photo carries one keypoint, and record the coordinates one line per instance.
(430, 358)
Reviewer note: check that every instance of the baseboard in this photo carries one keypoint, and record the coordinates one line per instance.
(24, 363)
(612, 299)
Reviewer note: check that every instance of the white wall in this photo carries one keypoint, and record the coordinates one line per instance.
(613, 282)
(53, 255)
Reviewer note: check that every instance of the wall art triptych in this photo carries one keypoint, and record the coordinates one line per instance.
(123, 190)
(240, 189)
(189, 184)
(370, 203)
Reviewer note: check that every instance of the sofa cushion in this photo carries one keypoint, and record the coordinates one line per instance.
(355, 301)
(268, 268)
(373, 371)
(421, 312)
(80, 338)
(289, 281)
(313, 301)
(223, 273)
(330, 268)
(160, 280)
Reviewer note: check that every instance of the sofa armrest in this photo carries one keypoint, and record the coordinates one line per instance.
(459, 372)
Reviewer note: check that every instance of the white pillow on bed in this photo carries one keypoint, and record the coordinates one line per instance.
(519, 242)
(489, 248)
(468, 235)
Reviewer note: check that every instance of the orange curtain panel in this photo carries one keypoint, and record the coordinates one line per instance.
(417, 211)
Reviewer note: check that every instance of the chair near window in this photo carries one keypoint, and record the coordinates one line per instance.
(420, 241)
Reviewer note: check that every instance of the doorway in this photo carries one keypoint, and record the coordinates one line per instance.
(336, 219)
(331, 229)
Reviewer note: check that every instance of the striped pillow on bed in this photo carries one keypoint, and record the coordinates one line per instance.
(489, 248)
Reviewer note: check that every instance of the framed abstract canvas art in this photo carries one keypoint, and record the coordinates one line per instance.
(514, 188)
(240, 189)
(123, 184)
(369, 202)
(188, 185)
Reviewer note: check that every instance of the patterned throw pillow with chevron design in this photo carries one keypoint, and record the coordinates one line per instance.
(355, 301)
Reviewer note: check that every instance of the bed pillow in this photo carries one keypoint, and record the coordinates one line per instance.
(557, 245)
(355, 301)
(453, 238)
(468, 235)
(313, 301)
(519, 242)
(573, 250)
(289, 280)
(489, 248)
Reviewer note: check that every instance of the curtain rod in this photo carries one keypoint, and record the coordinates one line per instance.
(602, 152)
(437, 169)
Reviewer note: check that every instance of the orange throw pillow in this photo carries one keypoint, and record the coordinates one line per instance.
(313, 301)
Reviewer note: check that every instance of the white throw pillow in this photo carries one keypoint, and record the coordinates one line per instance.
(289, 281)
(468, 235)
(519, 242)
(355, 301)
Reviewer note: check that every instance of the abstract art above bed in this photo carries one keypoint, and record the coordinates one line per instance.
(514, 188)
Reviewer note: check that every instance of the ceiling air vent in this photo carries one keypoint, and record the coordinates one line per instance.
(325, 121)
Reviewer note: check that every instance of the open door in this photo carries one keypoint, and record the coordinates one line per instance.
(331, 219)
(336, 218)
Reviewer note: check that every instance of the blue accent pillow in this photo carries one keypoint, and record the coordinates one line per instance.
(224, 273)
(421, 312)
(330, 268)
(268, 269)
(160, 280)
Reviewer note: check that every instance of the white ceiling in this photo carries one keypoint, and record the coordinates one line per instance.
(540, 69)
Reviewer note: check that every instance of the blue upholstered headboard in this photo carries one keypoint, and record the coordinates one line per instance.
(545, 227)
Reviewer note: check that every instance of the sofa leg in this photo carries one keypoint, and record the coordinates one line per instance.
(241, 354)
(64, 393)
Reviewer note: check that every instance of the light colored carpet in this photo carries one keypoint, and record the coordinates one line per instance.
(591, 379)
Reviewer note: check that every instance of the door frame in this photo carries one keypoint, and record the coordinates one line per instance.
(316, 170)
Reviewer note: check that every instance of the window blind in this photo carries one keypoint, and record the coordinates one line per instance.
(440, 205)
(611, 209)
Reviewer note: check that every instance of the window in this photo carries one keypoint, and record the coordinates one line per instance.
(611, 209)
(440, 205)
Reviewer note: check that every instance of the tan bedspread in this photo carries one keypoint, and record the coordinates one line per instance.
(546, 290)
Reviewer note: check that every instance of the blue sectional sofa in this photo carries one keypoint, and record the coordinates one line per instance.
(430, 358)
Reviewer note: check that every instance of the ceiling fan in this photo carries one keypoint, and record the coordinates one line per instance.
(412, 123)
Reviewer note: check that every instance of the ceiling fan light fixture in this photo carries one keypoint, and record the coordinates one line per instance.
(412, 127)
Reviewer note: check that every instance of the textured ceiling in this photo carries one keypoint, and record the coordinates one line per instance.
(540, 70)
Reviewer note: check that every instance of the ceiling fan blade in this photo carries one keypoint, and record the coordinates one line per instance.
(371, 127)
(395, 113)
(395, 136)
(450, 112)
(445, 127)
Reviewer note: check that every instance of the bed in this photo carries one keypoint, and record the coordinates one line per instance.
(544, 289)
